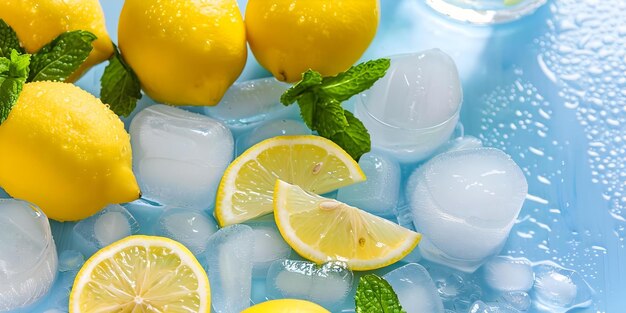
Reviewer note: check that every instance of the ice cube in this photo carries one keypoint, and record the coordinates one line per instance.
(413, 109)
(189, 227)
(111, 224)
(518, 300)
(457, 289)
(504, 273)
(327, 285)
(248, 103)
(229, 258)
(269, 130)
(28, 257)
(178, 156)
(481, 307)
(415, 289)
(269, 246)
(70, 260)
(465, 203)
(558, 289)
(379, 193)
(146, 213)
(461, 143)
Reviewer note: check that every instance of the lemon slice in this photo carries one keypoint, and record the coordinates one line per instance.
(286, 306)
(322, 230)
(141, 274)
(311, 162)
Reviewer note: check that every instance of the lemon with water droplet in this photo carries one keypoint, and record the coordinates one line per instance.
(37, 22)
(65, 151)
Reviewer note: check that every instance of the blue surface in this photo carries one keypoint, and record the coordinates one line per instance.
(550, 90)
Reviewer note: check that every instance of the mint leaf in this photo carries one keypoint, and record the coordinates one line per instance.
(330, 119)
(307, 103)
(375, 295)
(8, 40)
(355, 80)
(119, 86)
(13, 74)
(310, 79)
(61, 57)
(354, 138)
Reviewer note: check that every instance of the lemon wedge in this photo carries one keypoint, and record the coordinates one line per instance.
(322, 230)
(141, 274)
(311, 162)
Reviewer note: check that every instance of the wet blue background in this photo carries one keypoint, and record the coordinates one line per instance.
(550, 90)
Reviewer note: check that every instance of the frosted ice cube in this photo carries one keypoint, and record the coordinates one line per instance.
(558, 289)
(229, 258)
(504, 273)
(178, 156)
(189, 227)
(518, 300)
(28, 257)
(269, 130)
(251, 102)
(269, 246)
(415, 289)
(481, 307)
(413, 109)
(327, 285)
(109, 225)
(379, 193)
(465, 203)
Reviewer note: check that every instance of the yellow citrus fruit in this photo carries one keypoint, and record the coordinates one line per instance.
(323, 230)
(185, 52)
(286, 306)
(288, 37)
(37, 22)
(312, 162)
(65, 151)
(141, 274)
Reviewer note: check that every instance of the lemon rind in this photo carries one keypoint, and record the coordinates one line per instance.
(224, 194)
(282, 217)
(186, 257)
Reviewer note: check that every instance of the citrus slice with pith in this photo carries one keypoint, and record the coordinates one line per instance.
(314, 163)
(141, 274)
(322, 230)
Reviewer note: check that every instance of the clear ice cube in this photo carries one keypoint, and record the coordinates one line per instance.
(189, 227)
(413, 109)
(558, 289)
(379, 193)
(481, 307)
(28, 257)
(178, 156)
(229, 258)
(269, 246)
(519, 300)
(70, 260)
(109, 225)
(465, 203)
(415, 289)
(503, 273)
(327, 285)
(269, 130)
(250, 102)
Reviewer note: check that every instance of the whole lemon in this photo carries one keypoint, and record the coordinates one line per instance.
(65, 151)
(286, 306)
(185, 52)
(37, 22)
(288, 37)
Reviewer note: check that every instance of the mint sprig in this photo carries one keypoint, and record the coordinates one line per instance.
(320, 100)
(8, 40)
(119, 86)
(375, 295)
(60, 58)
(13, 74)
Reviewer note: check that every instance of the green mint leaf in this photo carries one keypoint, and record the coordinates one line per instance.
(354, 138)
(61, 57)
(307, 103)
(329, 118)
(375, 295)
(309, 80)
(119, 86)
(8, 40)
(355, 80)
(13, 75)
